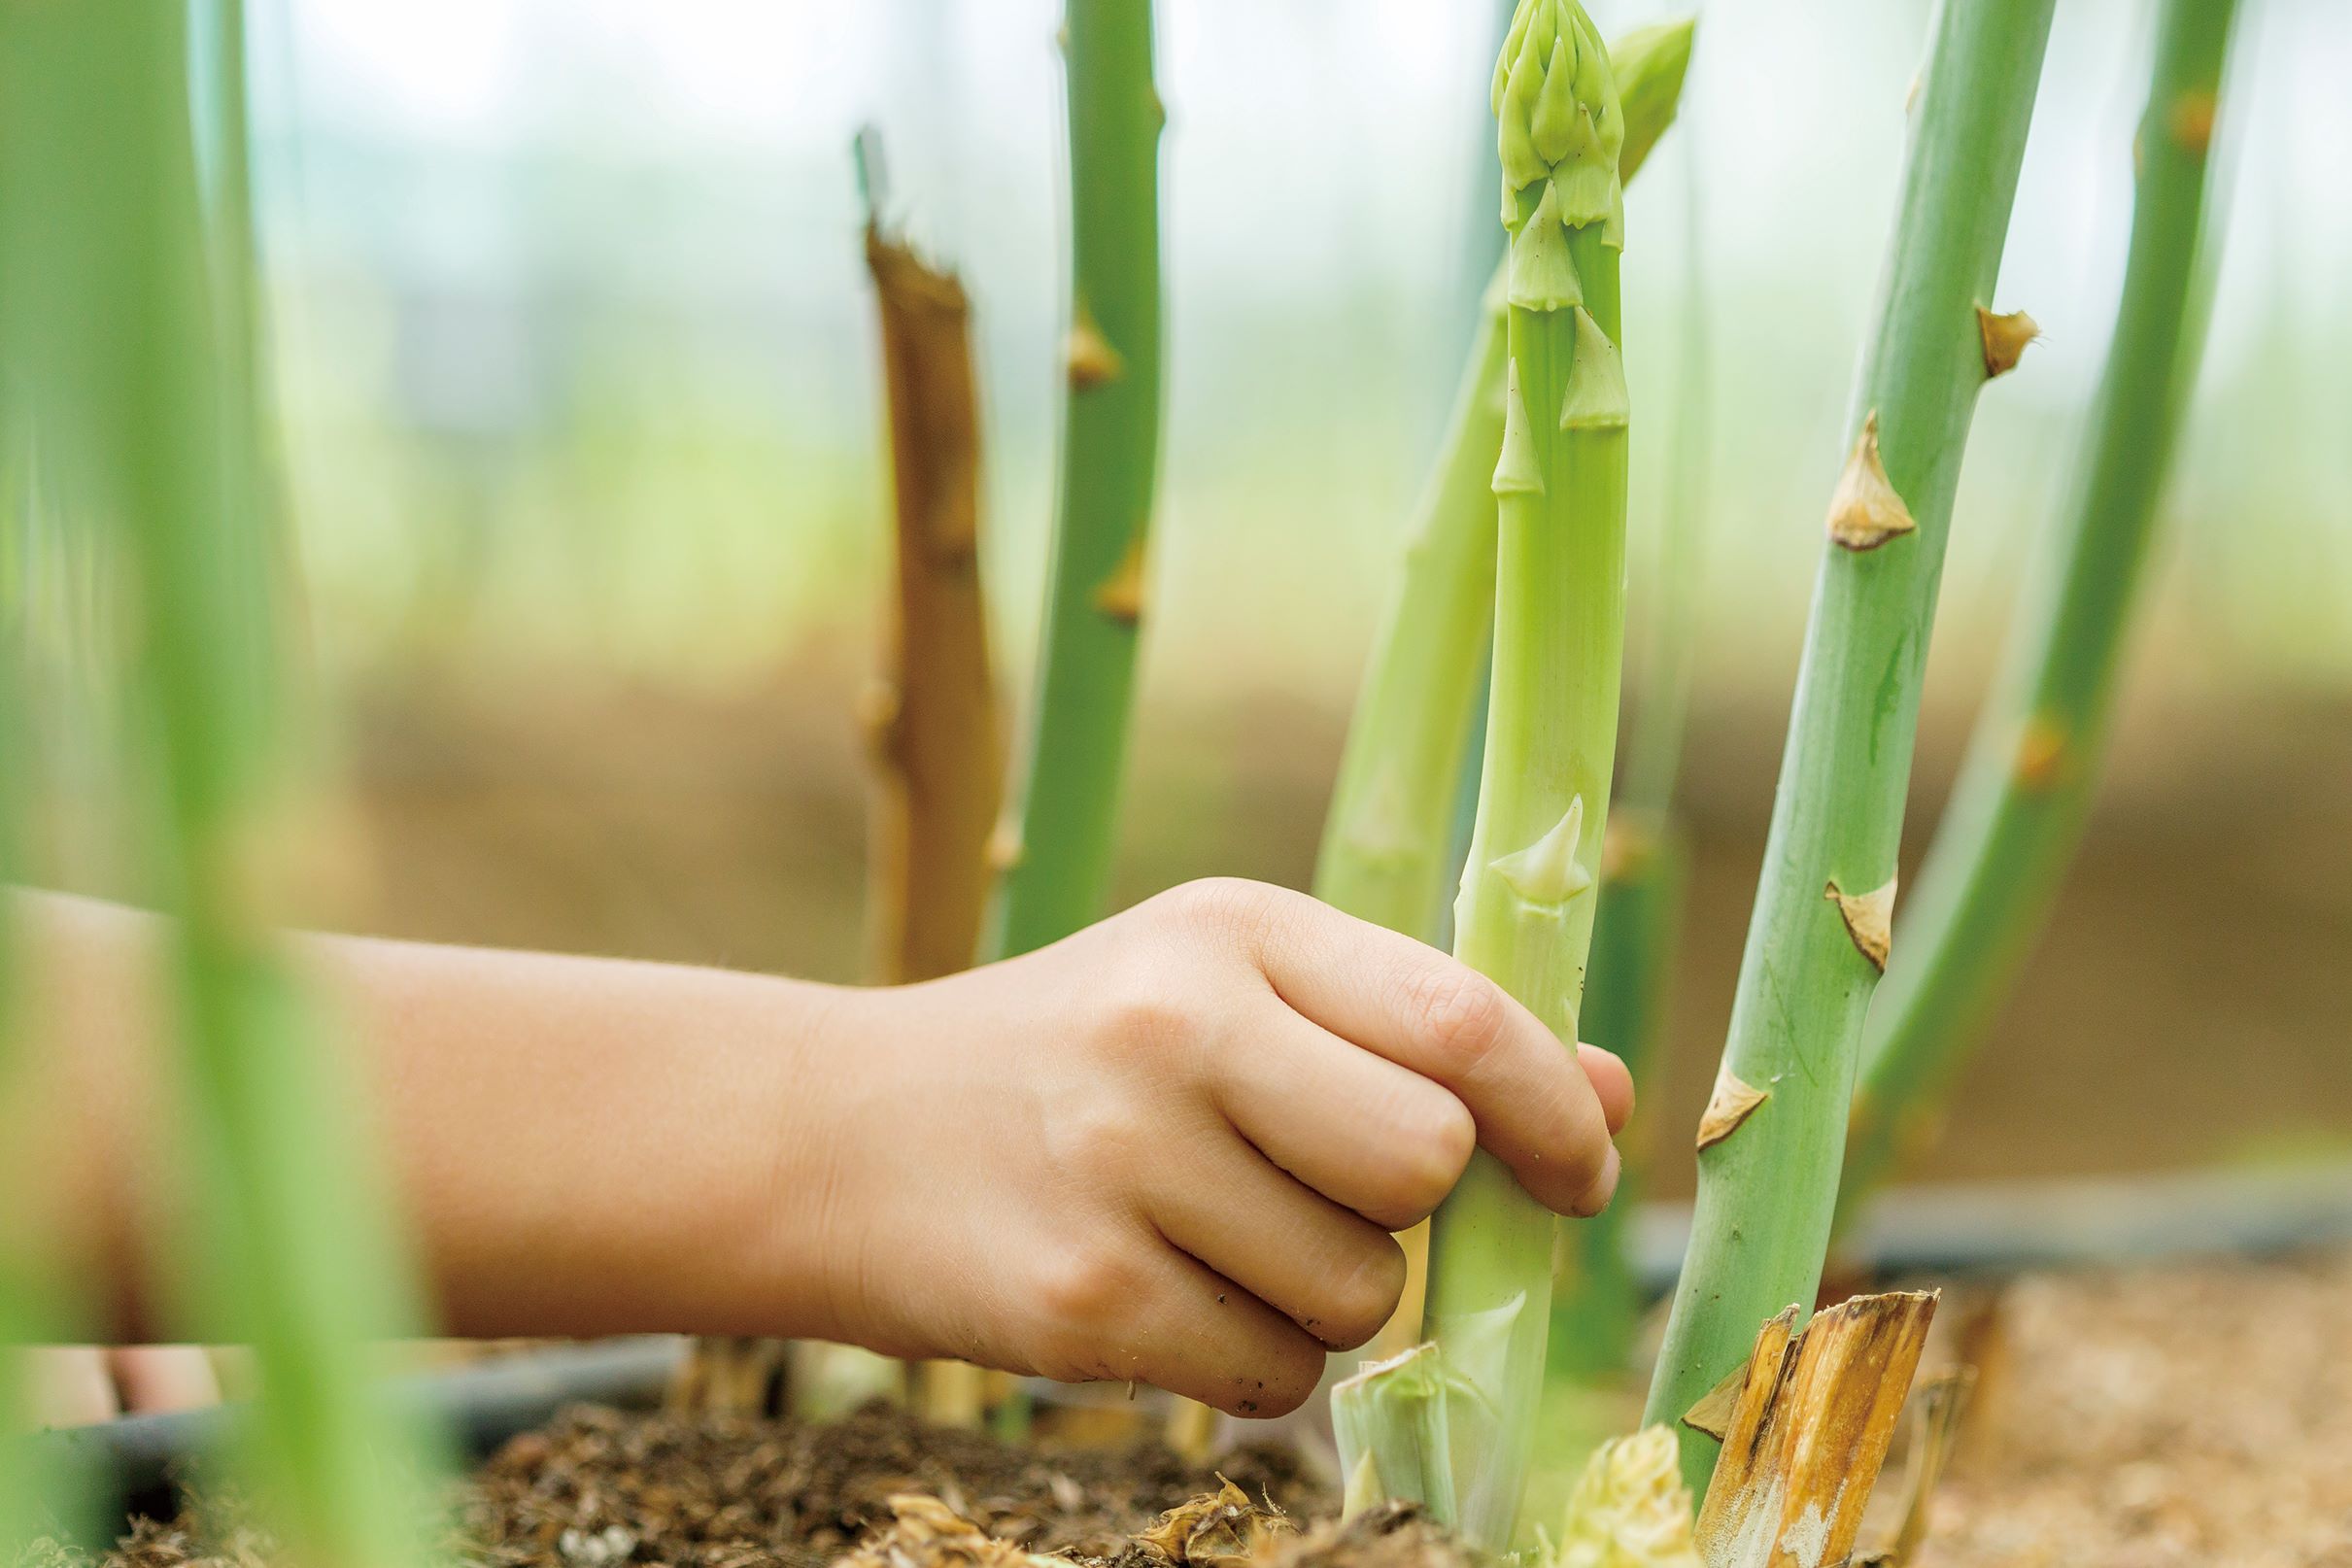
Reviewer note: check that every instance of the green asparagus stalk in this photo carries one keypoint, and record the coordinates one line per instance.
(1057, 873)
(1770, 1145)
(110, 306)
(2018, 811)
(1385, 855)
(1597, 1305)
(1386, 838)
(1524, 914)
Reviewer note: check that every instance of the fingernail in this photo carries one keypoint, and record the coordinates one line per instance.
(1604, 1187)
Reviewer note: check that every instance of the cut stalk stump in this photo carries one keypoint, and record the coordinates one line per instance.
(1805, 1426)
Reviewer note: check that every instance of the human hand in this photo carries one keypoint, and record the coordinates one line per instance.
(1171, 1148)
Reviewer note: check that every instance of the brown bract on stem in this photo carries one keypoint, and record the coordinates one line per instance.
(2005, 337)
(1864, 510)
(1870, 919)
(1731, 1103)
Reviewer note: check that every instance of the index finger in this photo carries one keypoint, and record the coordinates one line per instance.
(1536, 1110)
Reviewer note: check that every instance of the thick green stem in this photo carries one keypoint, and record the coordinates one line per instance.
(111, 310)
(1058, 875)
(1596, 1315)
(1524, 914)
(2017, 810)
(1388, 838)
(1598, 1304)
(1768, 1166)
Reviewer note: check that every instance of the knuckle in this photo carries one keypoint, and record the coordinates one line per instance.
(1146, 1017)
(1427, 1151)
(1435, 1155)
(1458, 1017)
(1086, 1290)
(1225, 903)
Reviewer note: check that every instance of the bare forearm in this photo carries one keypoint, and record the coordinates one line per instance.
(583, 1145)
(1168, 1149)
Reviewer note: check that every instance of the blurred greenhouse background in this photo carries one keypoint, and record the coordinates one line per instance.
(577, 357)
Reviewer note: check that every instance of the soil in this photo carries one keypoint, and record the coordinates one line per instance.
(2141, 1418)
(2189, 1414)
(597, 1489)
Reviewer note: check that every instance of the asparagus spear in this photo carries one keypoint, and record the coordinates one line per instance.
(1598, 1306)
(1057, 873)
(1769, 1149)
(1451, 1422)
(2017, 810)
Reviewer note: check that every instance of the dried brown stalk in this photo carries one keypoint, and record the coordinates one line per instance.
(933, 718)
(1807, 1430)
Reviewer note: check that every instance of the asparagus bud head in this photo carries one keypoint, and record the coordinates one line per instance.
(1560, 130)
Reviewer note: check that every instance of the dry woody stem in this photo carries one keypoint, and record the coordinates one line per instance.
(1806, 1430)
(933, 714)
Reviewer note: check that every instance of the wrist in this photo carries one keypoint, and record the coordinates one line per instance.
(596, 1147)
(752, 1245)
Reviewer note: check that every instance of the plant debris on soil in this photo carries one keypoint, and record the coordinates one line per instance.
(598, 1489)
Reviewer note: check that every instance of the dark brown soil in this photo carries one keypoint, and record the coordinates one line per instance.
(727, 1493)
(598, 1489)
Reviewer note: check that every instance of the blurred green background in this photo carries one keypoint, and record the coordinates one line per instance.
(578, 365)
